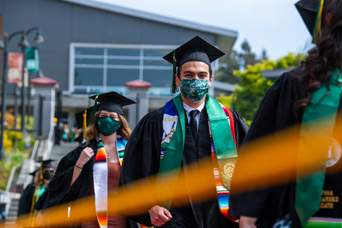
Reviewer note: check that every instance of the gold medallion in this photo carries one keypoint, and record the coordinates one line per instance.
(228, 169)
(334, 153)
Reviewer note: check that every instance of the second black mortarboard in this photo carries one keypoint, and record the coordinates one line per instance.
(79, 116)
(308, 11)
(33, 173)
(46, 164)
(311, 13)
(112, 102)
(195, 49)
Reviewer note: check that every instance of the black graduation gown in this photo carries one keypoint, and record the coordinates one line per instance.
(143, 153)
(60, 182)
(25, 201)
(274, 114)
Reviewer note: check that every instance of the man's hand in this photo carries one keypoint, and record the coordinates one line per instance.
(247, 222)
(159, 215)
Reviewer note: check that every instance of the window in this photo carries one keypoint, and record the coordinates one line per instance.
(119, 77)
(98, 68)
(88, 76)
(103, 68)
(159, 78)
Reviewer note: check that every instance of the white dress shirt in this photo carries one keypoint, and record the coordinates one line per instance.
(188, 109)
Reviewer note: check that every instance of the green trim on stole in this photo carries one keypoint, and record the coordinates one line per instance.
(323, 105)
(39, 192)
(321, 224)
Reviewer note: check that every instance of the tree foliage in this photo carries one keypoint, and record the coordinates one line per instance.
(238, 60)
(226, 70)
(247, 57)
(249, 93)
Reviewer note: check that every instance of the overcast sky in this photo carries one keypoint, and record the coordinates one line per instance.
(274, 25)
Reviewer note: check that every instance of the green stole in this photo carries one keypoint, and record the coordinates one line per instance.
(221, 134)
(324, 104)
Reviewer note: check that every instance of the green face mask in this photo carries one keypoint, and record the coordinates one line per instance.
(107, 125)
(194, 89)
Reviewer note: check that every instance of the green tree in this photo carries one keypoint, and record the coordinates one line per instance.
(226, 70)
(249, 93)
(264, 55)
(247, 57)
(236, 61)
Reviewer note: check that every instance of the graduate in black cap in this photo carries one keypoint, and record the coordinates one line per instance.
(306, 93)
(35, 190)
(93, 168)
(157, 146)
(25, 200)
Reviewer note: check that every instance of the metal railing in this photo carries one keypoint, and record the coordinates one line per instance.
(5, 197)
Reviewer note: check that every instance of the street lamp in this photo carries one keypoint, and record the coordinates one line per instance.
(39, 37)
(3, 46)
(23, 42)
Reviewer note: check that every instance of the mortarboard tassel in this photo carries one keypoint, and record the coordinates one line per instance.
(317, 33)
(173, 86)
(94, 109)
(41, 170)
(84, 122)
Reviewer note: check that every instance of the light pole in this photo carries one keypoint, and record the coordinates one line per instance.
(38, 39)
(3, 46)
(23, 44)
(3, 109)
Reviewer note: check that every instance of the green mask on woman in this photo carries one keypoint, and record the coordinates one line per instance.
(107, 125)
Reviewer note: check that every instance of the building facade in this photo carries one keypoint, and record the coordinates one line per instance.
(92, 47)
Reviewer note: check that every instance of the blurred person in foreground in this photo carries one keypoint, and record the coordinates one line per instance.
(190, 127)
(306, 93)
(34, 193)
(93, 168)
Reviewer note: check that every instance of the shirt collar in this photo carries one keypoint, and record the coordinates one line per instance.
(188, 108)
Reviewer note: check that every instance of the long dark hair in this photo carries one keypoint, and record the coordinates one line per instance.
(327, 56)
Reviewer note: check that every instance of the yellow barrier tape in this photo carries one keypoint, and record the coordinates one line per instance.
(265, 162)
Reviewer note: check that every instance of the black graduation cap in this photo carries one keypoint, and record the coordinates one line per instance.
(46, 163)
(308, 11)
(112, 101)
(195, 49)
(33, 173)
(79, 138)
(79, 116)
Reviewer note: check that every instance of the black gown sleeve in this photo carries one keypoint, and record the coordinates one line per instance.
(142, 154)
(274, 114)
(58, 188)
(25, 200)
(241, 128)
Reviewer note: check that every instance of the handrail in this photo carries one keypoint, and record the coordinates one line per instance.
(9, 184)
(34, 150)
(10, 180)
(31, 166)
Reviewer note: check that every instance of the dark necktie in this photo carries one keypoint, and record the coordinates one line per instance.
(193, 124)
